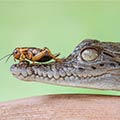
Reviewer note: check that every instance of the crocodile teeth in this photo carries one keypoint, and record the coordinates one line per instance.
(72, 77)
(29, 71)
(39, 72)
(15, 71)
(44, 74)
(23, 72)
(53, 67)
(66, 78)
(56, 75)
(50, 74)
(35, 70)
(62, 73)
(21, 77)
(68, 73)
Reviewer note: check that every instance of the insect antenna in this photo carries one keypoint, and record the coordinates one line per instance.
(9, 55)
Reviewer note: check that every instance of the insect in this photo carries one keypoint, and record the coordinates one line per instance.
(33, 54)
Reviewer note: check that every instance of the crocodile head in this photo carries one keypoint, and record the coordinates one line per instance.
(92, 64)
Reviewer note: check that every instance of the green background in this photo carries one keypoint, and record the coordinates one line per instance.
(57, 25)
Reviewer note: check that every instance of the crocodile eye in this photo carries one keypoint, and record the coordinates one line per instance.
(89, 54)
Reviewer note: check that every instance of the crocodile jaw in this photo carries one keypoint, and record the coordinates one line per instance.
(54, 73)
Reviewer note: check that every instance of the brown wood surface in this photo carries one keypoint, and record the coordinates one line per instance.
(62, 107)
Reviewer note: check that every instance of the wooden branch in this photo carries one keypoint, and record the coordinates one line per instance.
(62, 107)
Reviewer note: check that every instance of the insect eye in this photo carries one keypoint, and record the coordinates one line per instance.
(89, 54)
(15, 51)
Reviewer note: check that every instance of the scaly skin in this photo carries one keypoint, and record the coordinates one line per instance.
(101, 73)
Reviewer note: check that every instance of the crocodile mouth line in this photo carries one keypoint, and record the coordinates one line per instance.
(29, 72)
(61, 77)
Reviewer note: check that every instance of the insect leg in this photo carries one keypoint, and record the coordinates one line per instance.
(22, 57)
(47, 51)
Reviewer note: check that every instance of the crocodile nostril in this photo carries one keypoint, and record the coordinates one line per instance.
(93, 67)
(102, 64)
(112, 64)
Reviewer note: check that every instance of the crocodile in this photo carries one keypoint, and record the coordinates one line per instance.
(92, 64)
